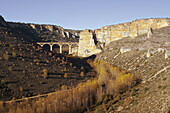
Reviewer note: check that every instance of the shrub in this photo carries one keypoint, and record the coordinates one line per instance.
(2, 81)
(65, 75)
(164, 79)
(71, 64)
(146, 88)
(59, 76)
(45, 73)
(159, 86)
(82, 68)
(97, 110)
(36, 60)
(132, 93)
(14, 55)
(65, 69)
(47, 61)
(41, 82)
(10, 69)
(82, 74)
(6, 56)
(20, 89)
(11, 45)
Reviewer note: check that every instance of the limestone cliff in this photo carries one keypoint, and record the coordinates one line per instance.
(108, 34)
(87, 45)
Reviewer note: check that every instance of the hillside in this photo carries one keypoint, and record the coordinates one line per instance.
(144, 57)
(27, 70)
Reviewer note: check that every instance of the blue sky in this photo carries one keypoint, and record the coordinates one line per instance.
(82, 14)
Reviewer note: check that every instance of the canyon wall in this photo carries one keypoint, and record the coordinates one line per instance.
(90, 41)
(107, 34)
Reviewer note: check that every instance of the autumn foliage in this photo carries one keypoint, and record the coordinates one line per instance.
(110, 81)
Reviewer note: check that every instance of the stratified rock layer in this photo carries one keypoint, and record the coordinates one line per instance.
(111, 33)
(86, 44)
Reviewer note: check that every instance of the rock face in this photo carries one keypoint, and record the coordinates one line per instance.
(87, 45)
(2, 21)
(51, 28)
(111, 33)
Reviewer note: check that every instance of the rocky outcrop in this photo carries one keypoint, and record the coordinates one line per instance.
(2, 21)
(111, 33)
(87, 45)
(51, 28)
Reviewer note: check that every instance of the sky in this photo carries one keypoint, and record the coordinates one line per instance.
(82, 14)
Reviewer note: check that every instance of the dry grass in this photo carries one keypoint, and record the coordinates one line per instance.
(110, 81)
